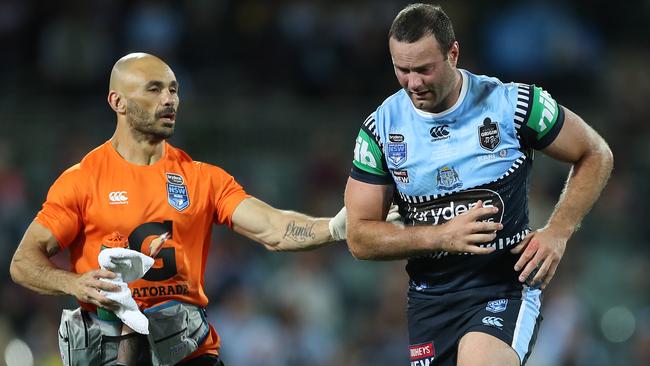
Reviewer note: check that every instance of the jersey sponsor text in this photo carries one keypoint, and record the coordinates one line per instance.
(422, 354)
(441, 213)
(152, 291)
(362, 153)
(548, 112)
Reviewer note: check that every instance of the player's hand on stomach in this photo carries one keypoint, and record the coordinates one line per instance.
(86, 288)
(541, 252)
(463, 233)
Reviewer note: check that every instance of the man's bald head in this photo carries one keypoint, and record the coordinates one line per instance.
(135, 67)
(143, 91)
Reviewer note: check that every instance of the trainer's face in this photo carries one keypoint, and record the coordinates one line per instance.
(153, 100)
(426, 73)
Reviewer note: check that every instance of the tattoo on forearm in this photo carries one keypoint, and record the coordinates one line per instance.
(299, 233)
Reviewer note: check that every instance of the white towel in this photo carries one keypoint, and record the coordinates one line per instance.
(129, 266)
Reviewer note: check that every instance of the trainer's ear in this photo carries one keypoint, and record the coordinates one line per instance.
(117, 103)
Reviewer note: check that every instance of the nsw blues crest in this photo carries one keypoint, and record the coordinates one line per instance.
(396, 149)
(397, 153)
(497, 306)
(177, 194)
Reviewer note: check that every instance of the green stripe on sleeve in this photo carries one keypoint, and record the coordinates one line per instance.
(367, 155)
(544, 112)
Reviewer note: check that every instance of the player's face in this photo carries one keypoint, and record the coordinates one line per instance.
(151, 107)
(426, 73)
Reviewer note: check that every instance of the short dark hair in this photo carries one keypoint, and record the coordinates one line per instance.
(418, 20)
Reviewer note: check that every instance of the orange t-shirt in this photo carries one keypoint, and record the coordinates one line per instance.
(104, 194)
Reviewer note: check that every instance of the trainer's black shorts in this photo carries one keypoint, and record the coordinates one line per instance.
(437, 322)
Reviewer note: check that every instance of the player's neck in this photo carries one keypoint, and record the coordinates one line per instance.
(453, 96)
(142, 152)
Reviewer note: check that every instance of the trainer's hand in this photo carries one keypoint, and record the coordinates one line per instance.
(393, 216)
(462, 233)
(338, 225)
(86, 288)
(542, 251)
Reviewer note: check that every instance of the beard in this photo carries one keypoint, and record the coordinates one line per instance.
(437, 99)
(144, 125)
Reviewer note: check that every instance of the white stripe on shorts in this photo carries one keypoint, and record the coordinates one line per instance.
(526, 320)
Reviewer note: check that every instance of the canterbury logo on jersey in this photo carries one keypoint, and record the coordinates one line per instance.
(118, 198)
(439, 132)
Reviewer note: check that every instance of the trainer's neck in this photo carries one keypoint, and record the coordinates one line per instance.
(138, 152)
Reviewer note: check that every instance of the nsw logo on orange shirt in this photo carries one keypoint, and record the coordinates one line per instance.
(177, 194)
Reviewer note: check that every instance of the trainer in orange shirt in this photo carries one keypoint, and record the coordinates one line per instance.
(138, 186)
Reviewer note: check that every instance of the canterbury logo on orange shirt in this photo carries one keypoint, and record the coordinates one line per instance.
(118, 198)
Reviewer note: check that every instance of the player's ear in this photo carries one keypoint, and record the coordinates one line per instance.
(453, 53)
(117, 103)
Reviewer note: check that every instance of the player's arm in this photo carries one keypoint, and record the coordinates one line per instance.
(370, 237)
(280, 230)
(592, 161)
(31, 267)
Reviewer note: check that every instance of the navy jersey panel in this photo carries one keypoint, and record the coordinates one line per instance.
(442, 164)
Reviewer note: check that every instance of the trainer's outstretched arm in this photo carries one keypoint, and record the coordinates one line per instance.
(280, 230)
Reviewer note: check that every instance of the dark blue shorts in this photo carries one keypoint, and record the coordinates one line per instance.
(437, 322)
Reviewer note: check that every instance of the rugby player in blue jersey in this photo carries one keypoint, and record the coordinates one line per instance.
(453, 150)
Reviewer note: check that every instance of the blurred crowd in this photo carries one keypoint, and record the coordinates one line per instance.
(275, 92)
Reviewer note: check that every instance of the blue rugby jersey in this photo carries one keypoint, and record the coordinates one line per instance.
(441, 164)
